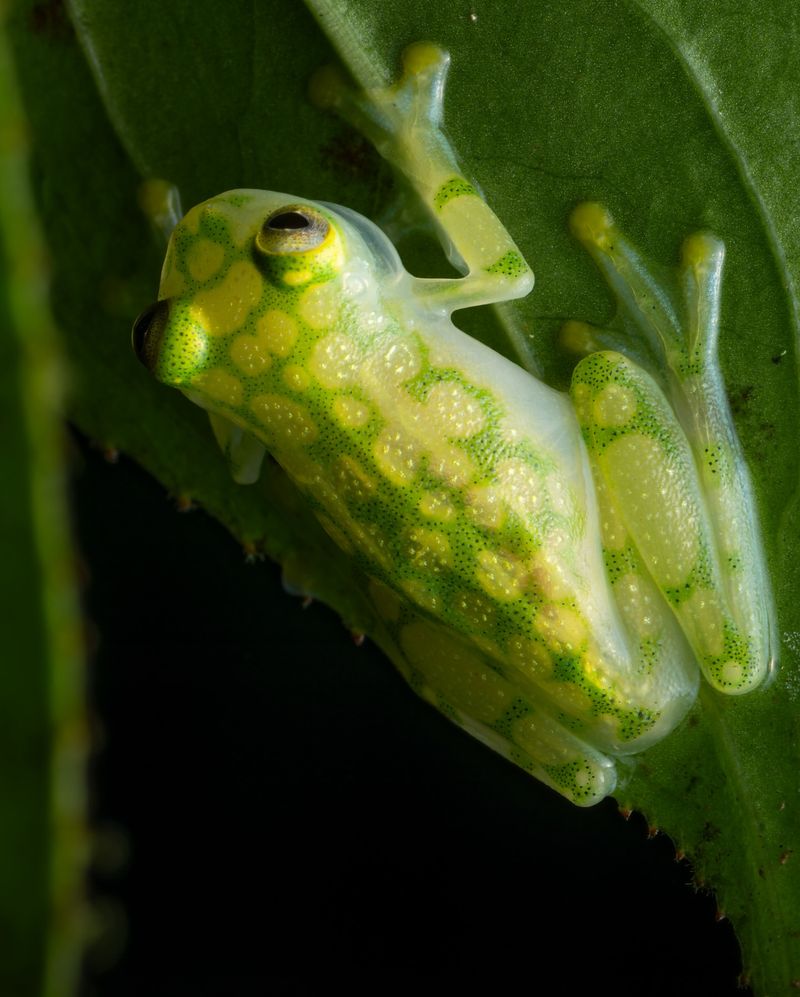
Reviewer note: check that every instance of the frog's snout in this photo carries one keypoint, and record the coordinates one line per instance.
(148, 331)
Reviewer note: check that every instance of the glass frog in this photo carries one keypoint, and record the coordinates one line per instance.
(558, 573)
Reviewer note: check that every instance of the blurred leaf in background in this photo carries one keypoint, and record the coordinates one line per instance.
(43, 741)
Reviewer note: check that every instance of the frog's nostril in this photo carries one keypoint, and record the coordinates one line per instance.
(147, 332)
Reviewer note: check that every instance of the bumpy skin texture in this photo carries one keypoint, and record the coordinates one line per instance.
(552, 574)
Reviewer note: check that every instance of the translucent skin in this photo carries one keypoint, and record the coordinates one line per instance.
(549, 568)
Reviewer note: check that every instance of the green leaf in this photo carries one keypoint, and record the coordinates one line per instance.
(676, 115)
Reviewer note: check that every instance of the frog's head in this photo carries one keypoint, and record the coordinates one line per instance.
(250, 278)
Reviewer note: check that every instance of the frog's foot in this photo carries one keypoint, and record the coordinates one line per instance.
(403, 121)
(685, 337)
(161, 202)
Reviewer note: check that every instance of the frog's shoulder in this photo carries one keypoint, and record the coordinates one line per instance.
(377, 243)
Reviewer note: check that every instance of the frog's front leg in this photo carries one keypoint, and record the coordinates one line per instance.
(241, 450)
(404, 123)
(673, 469)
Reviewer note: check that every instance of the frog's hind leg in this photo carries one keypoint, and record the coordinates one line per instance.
(403, 121)
(461, 682)
(722, 597)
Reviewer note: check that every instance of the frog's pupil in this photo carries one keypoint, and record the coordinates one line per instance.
(289, 220)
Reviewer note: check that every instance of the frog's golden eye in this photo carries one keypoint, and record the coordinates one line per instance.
(147, 333)
(296, 228)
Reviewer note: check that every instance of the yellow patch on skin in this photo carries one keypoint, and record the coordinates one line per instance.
(288, 423)
(396, 456)
(419, 593)
(429, 549)
(305, 471)
(732, 672)
(457, 672)
(436, 505)
(222, 309)
(334, 361)
(582, 401)
(353, 480)
(275, 335)
(634, 598)
(452, 465)
(485, 506)
(529, 733)
(204, 258)
(249, 353)
(367, 538)
(703, 609)
(294, 278)
(220, 386)
(501, 577)
(661, 508)
(571, 699)
(278, 331)
(548, 578)
(173, 282)
(614, 406)
(386, 602)
(400, 362)
(370, 541)
(242, 221)
(296, 377)
(531, 657)
(613, 535)
(350, 412)
(456, 413)
(521, 487)
(339, 538)
(479, 612)
(561, 628)
(319, 305)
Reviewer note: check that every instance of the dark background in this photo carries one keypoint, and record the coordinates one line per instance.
(277, 813)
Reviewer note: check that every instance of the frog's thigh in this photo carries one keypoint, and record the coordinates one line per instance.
(642, 454)
(242, 451)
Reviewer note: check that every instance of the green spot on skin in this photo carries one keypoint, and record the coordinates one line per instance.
(510, 264)
(451, 189)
